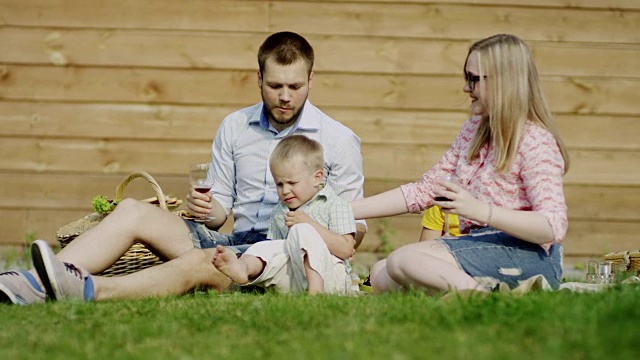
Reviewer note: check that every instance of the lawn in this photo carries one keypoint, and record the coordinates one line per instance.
(539, 325)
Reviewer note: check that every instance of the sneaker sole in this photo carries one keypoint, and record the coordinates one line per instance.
(42, 264)
(7, 296)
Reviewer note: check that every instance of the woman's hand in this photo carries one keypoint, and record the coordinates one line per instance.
(461, 202)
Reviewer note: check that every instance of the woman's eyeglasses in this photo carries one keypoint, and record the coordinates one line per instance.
(472, 79)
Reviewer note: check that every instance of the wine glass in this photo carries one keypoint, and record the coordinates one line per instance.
(452, 179)
(201, 181)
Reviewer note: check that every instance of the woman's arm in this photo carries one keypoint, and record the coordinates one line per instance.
(388, 203)
(530, 226)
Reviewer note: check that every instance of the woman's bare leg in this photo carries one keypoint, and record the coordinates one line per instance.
(380, 280)
(428, 266)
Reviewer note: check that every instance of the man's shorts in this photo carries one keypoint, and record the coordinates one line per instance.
(205, 238)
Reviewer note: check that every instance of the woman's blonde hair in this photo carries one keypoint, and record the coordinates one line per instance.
(512, 95)
(298, 146)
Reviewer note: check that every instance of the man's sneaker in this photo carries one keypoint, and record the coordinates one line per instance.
(62, 281)
(20, 288)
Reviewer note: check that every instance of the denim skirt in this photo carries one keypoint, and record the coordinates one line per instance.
(492, 256)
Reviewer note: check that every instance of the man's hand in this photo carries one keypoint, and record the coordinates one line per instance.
(203, 206)
(199, 204)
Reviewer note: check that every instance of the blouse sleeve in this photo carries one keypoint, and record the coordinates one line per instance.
(420, 194)
(542, 172)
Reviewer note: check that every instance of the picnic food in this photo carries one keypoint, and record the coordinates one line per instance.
(102, 205)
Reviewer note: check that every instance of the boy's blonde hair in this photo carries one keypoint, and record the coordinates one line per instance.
(512, 95)
(310, 152)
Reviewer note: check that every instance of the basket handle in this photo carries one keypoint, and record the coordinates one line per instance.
(159, 194)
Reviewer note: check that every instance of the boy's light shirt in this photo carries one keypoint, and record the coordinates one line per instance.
(326, 208)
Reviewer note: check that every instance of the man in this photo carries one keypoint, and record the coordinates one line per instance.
(242, 183)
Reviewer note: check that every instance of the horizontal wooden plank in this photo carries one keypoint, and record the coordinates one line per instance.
(75, 191)
(457, 22)
(610, 203)
(590, 4)
(133, 48)
(335, 18)
(167, 122)
(228, 50)
(74, 156)
(381, 126)
(391, 162)
(388, 162)
(584, 238)
(18, 225)
(596, 237)
(225, 15)
(111, 121)
(41, 83)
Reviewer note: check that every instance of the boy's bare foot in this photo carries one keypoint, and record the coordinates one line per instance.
(228, 263)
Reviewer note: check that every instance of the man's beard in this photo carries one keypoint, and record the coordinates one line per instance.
(284, 122)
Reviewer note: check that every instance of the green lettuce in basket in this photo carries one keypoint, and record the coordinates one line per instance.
(102, 205)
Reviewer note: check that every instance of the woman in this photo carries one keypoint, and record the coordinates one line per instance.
(509, 161)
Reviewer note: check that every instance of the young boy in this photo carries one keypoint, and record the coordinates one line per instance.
(318, 226)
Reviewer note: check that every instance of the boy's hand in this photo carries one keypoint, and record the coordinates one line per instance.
(297, 217)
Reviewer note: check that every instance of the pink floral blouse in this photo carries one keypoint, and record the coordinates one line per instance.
(533, 182)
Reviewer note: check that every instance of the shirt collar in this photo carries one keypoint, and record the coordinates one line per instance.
(324, 193)
(308, 119)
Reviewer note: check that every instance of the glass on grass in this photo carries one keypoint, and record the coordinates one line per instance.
(201, 180)
(601, 272)
(452, 179)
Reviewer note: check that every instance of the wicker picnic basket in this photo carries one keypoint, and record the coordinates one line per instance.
(625, 260)
(138, 257)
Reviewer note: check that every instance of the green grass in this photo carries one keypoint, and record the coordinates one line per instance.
(540, 325)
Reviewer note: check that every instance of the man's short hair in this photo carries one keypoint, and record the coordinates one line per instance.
(285, 48)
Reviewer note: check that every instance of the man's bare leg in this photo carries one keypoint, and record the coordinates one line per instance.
(240, 270)
(167, 234)
(315, 282)
(175, 277)
(132, 221)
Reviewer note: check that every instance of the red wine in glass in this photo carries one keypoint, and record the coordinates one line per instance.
(201, 182)
(202, 189)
